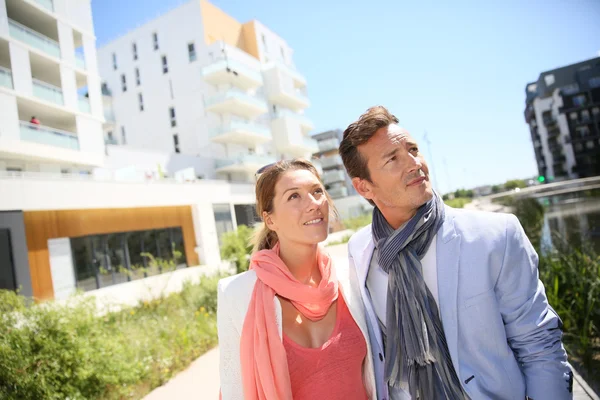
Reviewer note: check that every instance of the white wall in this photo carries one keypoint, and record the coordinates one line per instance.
(91, 137)
(21, 69)
(274, 44)
(9, 117)
(67, 46)
(69, 87)
(89, 52)
(3, 19)
(76, 12)
(206, 234)
(95, 96)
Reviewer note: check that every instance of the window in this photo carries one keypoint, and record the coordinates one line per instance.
(595, 111)
(594, 82)
(589, 144)
(570, 89)
(579, 100)
(123, 136)
(578, 147)
(141, 101)
(549, 79)
(191, 52)
(138, 79)
(585, 116)
(155, 40)
(172, 116)
(573, 116)
(123, 83)
(134, 49)
(165, 66)
(114, 58)
(176, 143)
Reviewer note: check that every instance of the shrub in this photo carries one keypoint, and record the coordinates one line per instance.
(458, 202)
(356, 223)
(53, 351)
(236, 247)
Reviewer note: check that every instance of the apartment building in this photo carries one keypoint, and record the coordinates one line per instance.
(334, 175)
(196, 81)
(562, 109)
(71, 217)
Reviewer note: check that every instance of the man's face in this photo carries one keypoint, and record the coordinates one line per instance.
(399, 174)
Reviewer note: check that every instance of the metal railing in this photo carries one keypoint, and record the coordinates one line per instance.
(33, 38)
(6, 77)
(47, 92)
(49, 136)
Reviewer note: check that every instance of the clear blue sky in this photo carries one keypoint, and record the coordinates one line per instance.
(457, 71)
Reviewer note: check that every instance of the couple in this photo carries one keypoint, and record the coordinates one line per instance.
(436, 303)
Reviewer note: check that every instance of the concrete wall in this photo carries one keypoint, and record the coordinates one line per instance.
(9, 117)
(3, 19)
(13, 220)
(21, 69)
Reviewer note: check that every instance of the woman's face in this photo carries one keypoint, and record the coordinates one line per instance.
(300, 208)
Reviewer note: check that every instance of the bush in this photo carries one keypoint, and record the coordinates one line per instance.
(358, 222)
(236, 247)
(58, 352)
(458, 202)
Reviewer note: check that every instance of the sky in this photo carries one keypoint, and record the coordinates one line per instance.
(456, 72)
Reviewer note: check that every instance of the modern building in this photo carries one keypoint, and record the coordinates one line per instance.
(195, 81)
(334, 175)
(562, 109)
(71, 216)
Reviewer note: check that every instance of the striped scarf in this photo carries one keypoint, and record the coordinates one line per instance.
(417, 356)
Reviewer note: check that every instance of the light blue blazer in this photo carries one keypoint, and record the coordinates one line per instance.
(503, 336)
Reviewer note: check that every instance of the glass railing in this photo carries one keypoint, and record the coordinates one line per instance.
(49, 136)
(234, 66)
(84, 105)
(237, 95)
(47, 4)
(33, 38)
(6, 78)
(258, 159)
(329, 144)
(338, 192)
(243, 126)
(109, 115)
(331, 161)
(47, 92)
(80, 60)
(109, 140)
(291, 71)
(290, 114)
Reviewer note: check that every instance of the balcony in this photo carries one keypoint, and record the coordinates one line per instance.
(305, 123)
(238, 103)
(330, 177)
(48, 92)
(110, 140)
(283, 91)
(80, 60)
(242, 132)
(331, 161)
(6, 78)
(554, 132)
(244, 163)
(328, 144)
(289, 138)
(47, 4)
(230, 65)
(33, 39)
(297, 78)
(84, 105)
(559, 159)
(338, 192)
(48, 136)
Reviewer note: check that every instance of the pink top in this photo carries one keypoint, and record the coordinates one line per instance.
(334, 370)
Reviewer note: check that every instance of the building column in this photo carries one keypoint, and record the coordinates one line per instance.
(205, 230)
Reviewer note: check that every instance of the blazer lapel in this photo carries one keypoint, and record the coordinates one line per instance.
(448, 257)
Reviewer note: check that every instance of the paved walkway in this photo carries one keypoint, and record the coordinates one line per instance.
(201, 379)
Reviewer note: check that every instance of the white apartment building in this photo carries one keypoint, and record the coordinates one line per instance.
(48, 70)
(198, 82)
(70, 217)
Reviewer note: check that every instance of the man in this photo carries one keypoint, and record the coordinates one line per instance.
(453, 301)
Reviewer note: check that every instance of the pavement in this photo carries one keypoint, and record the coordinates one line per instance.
(201, 379)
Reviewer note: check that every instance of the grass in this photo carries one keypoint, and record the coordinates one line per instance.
(458, 202)
(64, 352)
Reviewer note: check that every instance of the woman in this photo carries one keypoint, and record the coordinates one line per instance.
(292, 326)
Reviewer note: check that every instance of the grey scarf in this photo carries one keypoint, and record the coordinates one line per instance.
(416, 346)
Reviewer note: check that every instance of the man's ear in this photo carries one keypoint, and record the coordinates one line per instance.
(363, 187)
(269, 220)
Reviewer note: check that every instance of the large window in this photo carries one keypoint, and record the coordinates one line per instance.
(105, 260)
(223, 220)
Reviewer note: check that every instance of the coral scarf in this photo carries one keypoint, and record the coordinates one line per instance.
(265, 372)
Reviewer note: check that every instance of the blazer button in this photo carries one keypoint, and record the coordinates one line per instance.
(381, 359)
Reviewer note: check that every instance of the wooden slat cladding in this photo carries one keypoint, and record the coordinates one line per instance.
(43, 225)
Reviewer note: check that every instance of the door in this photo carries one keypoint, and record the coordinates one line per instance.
(7, 266)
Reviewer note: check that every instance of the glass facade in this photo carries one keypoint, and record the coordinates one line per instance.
(105, 260)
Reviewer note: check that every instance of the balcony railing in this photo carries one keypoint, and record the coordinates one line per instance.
(236, 95)
(49, 136)
(255, 159)
(84, 105)
(333, 176)
(6, 77)
(80, 60)
(33, 38)
(47, 4)
(243, 126)
(290, 114)
(109, 114)
(110, 140)
(338, 192)
(329, 144)
(331, 161)
(48, 92)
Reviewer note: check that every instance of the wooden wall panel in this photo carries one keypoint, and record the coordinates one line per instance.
(43, 225)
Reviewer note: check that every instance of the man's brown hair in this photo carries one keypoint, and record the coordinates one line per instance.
(359, 132)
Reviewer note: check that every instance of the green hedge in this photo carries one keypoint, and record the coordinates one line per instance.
(60, 352)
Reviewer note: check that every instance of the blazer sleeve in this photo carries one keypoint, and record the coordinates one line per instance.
(230, 369)
(533, 328)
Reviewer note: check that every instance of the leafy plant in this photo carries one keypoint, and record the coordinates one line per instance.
(236, 247)
(358, 222)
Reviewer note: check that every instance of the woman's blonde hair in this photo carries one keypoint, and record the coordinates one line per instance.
(265, 238)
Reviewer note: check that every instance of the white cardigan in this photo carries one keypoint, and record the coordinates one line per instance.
(234, 294)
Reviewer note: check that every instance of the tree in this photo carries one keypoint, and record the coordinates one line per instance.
(236, 247)
(515, 183)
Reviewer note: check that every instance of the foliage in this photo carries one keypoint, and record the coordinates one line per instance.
(54, 351)
(343, 240)
(531, 215)
(464, 193)
(358, 222)
(515, 183)
(458, 202)
(497, 189)
(236, 247)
